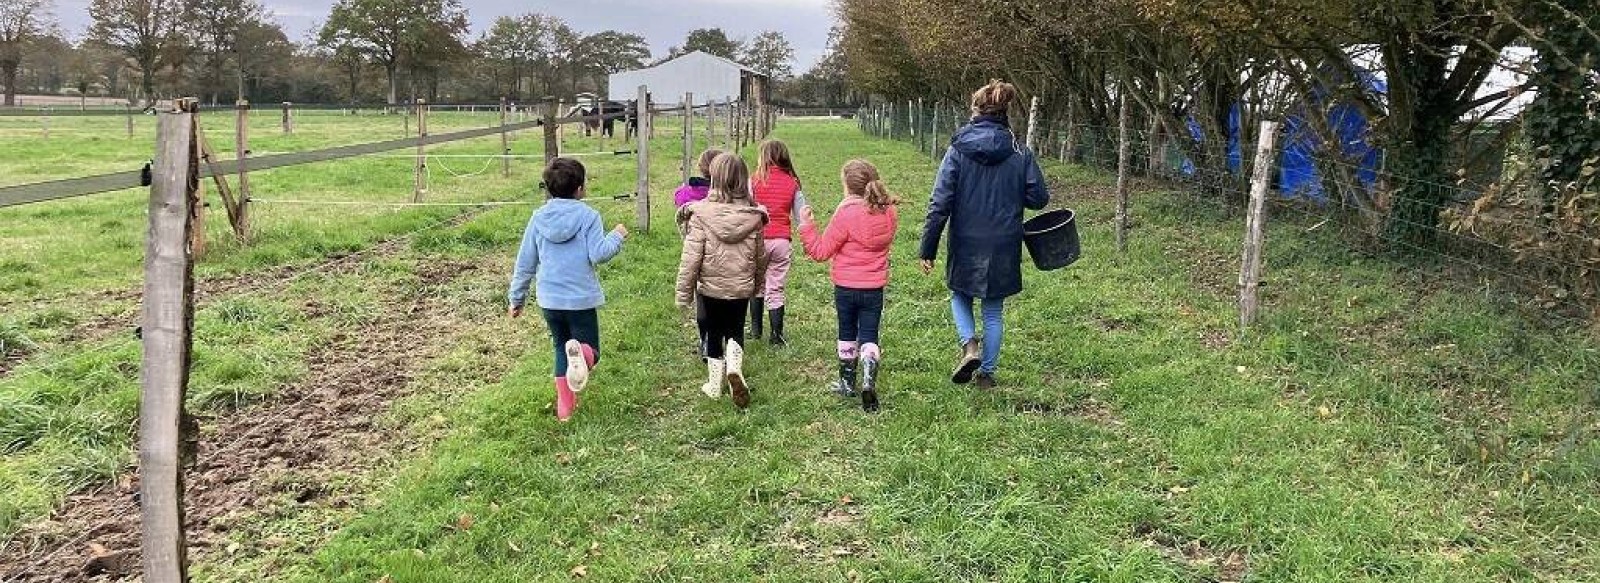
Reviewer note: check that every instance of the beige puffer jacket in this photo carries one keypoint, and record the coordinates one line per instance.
(723, 257)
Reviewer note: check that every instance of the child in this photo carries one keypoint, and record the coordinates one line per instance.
(776, 187)
(560, 248)
(858, 240)
(695, 191)
(722, 261)
(696, 188)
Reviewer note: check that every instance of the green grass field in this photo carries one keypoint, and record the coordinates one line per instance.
(1372, 428)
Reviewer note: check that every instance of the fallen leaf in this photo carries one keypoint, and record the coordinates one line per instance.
(580, 571)
(1240, 369)
(846, 500)
(1324, 411)
(98, 550)
(842, 552)
(513, 545)
(464, 522)
(386, 579)
(594, 547)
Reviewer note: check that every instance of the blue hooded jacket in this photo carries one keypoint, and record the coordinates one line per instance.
(985, 181)
(561, 246)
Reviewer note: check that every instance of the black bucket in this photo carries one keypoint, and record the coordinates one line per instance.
(1052, 239)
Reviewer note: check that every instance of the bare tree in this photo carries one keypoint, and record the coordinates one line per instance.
(147, 32)
(20, 22)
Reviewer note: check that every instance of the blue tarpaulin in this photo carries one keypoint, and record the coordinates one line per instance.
(1235, 155)
(1299, 176)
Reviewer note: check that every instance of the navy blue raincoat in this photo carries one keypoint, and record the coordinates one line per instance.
(985, 181)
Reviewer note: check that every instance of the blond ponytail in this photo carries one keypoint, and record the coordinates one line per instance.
(878, 197)
(861, 180)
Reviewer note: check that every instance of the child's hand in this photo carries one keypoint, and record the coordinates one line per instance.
(515, 311)
(621, 230)
(806, 216)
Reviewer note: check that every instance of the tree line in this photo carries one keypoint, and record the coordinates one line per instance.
(366, 51)
(1197, 61)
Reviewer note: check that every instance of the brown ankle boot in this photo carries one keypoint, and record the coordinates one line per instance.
(971, 358)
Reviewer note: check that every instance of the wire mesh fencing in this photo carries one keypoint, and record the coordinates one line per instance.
(1497, 228)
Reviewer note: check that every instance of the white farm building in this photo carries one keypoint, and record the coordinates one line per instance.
(707, 76)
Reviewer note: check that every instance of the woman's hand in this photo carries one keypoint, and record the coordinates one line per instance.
(927, 266)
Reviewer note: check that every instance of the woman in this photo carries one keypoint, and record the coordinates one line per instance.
(985, 181)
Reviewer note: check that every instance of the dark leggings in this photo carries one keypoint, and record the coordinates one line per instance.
(720, 321)
(580, 325)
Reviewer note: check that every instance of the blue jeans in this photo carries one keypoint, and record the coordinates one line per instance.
(994, 327)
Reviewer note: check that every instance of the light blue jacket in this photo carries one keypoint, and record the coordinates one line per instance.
(562, 245)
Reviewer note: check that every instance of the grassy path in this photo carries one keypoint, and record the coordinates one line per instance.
(1381, 425)
(1368, 432)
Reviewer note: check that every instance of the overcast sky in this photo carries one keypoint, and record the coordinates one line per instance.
(663, 22)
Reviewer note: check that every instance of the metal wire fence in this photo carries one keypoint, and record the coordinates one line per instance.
(1504, 234)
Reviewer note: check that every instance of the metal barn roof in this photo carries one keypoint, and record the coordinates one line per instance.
(707, 76)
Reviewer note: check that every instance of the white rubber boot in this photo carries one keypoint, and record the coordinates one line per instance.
(736, 382)
(718, 370)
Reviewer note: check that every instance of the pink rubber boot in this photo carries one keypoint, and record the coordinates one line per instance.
(566, 400)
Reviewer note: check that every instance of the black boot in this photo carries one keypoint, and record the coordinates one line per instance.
(846, 385)
(756, 306)
(776, 316)
(869, 385)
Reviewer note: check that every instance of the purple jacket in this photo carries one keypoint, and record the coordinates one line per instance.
(695, 191)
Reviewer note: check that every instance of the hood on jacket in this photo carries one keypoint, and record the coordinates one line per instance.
(561, 219)
(987, 141)
(698, 182)
(729, 223)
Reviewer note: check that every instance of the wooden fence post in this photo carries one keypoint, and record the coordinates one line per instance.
(505, 143)
(1071, 152)
(649, 116)
(166, 327)
(44, 120)
(1033, 123)
(561, 129)
(241, 152)
(129, 108)
(764, 108)
(406, 116)
(422, 151)
(288, 124)
(733, 111)
(1122, 171)
(688, 135)
(552, 142)
(642, 154)
(711, 122)
(1255, 218)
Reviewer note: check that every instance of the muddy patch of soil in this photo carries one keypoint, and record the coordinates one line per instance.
(259, 461)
